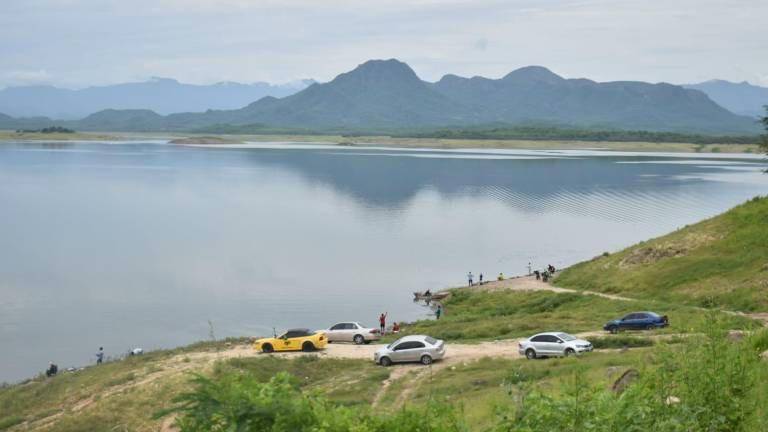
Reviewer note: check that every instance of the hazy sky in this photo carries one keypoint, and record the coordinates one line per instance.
(76, 43)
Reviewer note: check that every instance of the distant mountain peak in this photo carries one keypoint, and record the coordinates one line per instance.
(738, 97)
(533, 74)
(450, 78)
(380, 70)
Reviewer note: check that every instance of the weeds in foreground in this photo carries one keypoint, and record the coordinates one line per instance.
(705, 382)
(242, 402)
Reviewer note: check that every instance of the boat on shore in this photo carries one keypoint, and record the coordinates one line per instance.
(417, 296)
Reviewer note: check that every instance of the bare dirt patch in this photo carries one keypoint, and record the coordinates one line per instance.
(672, 249)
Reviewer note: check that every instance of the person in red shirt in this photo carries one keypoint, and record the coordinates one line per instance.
(383, 322)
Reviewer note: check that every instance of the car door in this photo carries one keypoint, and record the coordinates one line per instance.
(401, 352)
(292, 341)
(638, 321)
(350, 331)
(628, 322)
(539, 344)
(643, 320)
(283, 342)
(556, 345)
(336, 332)
(546, 345)
(414, 351)
(397, 351)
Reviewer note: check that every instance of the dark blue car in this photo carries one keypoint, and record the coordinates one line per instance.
(637, 321)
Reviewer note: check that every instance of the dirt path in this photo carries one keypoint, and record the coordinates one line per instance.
(529, 283)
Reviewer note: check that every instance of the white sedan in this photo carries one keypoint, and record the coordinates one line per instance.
(352, 332)
(554, 344)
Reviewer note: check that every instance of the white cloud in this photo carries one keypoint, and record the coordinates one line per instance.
(25, 77)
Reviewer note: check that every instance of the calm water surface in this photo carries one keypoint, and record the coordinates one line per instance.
(123, 245)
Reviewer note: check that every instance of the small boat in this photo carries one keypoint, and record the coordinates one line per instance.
(429, 297)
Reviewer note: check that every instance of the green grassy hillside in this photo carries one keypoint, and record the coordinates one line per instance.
(721, 262)
(475, 315)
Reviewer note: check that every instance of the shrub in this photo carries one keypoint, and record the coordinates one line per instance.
(759, 341)
(238, 401)
(620, 342)
(705, 384)
(8, 422)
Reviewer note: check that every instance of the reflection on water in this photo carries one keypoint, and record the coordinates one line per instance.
(141, 244)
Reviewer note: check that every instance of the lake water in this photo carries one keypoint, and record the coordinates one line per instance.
(127, 245)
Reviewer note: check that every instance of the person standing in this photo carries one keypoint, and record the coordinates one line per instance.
(469, 278)
(529, 269)
(100, 356)
(481, 279)
(52, 370)
(439, 311)
(383, 322)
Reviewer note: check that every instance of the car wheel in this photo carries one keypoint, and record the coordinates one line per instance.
(650, 327)
(385, 361)
(358, 339)
(426, 360)
(307, 347)
(267, 348)
(614, 330)
(569, 352)
(530, 354)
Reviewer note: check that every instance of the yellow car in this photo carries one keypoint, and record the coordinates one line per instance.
(292, 340)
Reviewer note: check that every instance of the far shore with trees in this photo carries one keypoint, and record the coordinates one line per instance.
(47, 130)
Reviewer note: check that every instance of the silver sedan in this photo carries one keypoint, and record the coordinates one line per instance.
(553, 344)
(415, 348)
(351, 331)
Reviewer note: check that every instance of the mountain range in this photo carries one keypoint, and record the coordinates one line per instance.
(387, 94)
(162, 95)
(741, 98)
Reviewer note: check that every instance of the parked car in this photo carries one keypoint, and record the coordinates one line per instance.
(292, 340)
(415, 348)
(352, 332)
(554, 344)
(637, 321)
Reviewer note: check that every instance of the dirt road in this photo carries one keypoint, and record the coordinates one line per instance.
(529, 283)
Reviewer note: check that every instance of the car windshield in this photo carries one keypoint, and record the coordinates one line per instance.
(431, 340)
(566, 337)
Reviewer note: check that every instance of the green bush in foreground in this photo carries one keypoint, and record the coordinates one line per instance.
(240, 402)
(706, 384)
(703, 383)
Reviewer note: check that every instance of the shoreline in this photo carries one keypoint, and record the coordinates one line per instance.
(7, 136)
(483, 332)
